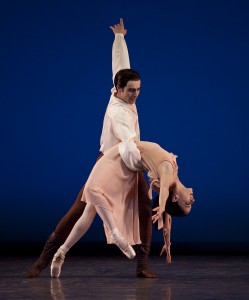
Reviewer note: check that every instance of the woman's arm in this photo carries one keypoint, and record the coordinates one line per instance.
(166, 236)
(165, 173)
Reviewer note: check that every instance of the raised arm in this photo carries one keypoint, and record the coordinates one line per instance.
(120, 55)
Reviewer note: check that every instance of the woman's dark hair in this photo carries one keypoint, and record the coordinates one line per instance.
(123, 76)
(172, 208)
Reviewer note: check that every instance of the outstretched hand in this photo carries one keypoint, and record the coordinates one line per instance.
(167, 252)
(166, 238)
(158, 213)
(119, 28)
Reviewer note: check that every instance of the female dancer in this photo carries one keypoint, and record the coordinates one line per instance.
(111, 191)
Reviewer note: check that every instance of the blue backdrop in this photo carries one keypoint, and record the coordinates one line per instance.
(55, 84)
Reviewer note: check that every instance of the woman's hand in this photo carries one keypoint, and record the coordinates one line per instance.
(167, 252)
(166, 238)
(158, 213)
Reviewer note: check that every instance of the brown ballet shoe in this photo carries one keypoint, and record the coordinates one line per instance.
(146, 273)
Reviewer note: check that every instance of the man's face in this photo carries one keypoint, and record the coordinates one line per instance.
(130, 92)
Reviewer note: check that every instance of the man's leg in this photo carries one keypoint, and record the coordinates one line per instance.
(145, 224)
(58, 236)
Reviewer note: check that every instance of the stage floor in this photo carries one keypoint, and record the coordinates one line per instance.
(188, 277)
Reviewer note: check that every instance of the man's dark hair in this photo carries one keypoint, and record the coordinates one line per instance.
(123, 76)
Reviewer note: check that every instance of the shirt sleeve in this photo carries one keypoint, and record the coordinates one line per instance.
(124, 130)
(120, 55)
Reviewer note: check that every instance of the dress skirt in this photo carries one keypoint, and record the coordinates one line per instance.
(113, 186)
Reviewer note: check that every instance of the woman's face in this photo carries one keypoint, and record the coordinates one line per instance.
(185, 199)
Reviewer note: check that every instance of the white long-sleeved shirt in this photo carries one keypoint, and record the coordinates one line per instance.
(120, 125)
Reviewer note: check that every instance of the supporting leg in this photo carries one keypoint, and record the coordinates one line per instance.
(145, 223)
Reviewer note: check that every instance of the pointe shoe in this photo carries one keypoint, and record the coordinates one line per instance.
(52, 244)
(57, 262)
(128, 251)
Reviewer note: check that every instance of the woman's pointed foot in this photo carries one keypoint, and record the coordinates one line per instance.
(129, 251)
(57, 262)
(123, 244)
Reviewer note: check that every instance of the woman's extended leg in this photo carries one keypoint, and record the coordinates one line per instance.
(79, 229)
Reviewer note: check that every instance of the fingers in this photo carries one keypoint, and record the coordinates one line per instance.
(163, 250)
(121, 24)
(157, 209)
(156, 216)
(168, 259)
(119, 28)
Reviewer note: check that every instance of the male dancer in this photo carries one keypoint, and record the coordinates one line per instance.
(120, 125)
